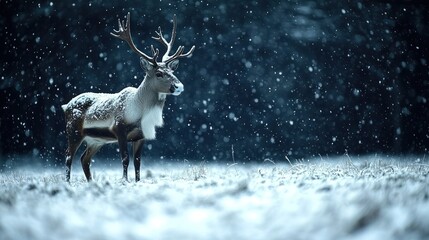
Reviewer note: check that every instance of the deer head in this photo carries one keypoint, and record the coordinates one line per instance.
(160, 75)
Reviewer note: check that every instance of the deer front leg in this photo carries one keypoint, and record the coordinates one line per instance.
(123, 149)
(137, 151)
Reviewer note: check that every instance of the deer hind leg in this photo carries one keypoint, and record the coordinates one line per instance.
(74, 140)
(85, 159)
(73, 145)
(137, 151)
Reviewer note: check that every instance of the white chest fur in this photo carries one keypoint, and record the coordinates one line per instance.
(150, 120)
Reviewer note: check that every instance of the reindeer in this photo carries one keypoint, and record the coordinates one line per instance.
(130, 115)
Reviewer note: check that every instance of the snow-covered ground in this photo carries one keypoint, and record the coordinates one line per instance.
(342, 198)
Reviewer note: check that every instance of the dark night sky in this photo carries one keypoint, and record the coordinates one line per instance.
(270, 79)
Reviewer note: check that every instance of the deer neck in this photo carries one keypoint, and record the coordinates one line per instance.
(147, 97)
(144, 100)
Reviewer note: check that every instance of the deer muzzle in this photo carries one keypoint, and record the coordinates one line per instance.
(176, 88)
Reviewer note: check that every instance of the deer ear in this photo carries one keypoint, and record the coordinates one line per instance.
(173, 65)
(145, 64)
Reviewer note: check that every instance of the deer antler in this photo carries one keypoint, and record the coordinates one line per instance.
(179, 52)
(124, 33)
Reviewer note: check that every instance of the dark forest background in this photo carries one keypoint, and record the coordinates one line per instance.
(268, 79)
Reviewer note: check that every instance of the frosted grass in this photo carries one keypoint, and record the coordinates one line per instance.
(341, 198)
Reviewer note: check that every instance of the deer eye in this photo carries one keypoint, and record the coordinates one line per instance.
(159, 74)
